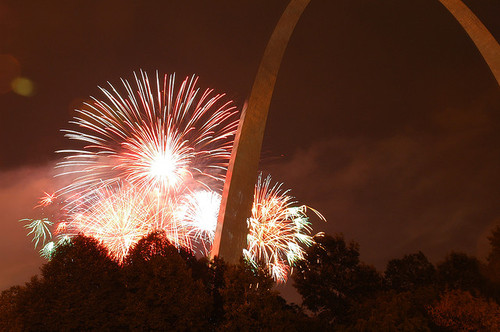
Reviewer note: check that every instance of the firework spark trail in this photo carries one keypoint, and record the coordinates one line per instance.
(48, 250)
(119, 219)
(157, 137)
(39, 228)
(278, 229)
(46, 200)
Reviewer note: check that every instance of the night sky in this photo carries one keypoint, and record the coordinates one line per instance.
(385, 118)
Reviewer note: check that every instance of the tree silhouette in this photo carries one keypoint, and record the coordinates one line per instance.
(77, 290)
(10, 319)
(493, 259)
(460, 271)
(332, 280)
(410, 272)
(161, 292)
(394, 311)
(160, 287)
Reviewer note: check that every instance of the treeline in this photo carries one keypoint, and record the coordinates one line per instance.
(459, 294)
(159, 287)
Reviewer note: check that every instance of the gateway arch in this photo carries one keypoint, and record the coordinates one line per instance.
(237, 197)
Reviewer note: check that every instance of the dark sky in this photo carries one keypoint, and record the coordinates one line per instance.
(385, 117)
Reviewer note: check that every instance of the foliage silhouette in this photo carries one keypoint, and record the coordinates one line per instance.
(159, 287)
(492, 267)
(77, 290)
(394, 311)
(332, 280)
(460, 271)
(161, 293)
(410, 272)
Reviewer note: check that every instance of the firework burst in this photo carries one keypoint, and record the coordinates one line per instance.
(156, 137)
(278, 229)
(199, 212)
(39, 229)
(144, 150)
(46, 200)
(118, 218)
(153, 156)
(48, 250)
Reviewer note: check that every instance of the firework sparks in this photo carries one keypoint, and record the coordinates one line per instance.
(48, 250)
(39, 228)
(157, 138)
(199, 212)
(277, 230)
(117, 218)
(46, 200)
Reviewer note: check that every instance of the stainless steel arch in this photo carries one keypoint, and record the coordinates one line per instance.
(237, 197)
(484, 40)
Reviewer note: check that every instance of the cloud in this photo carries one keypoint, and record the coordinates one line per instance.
(434, 190)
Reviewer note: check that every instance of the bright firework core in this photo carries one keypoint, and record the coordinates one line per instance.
(156, 157)
(207, 211)
(163, 168)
